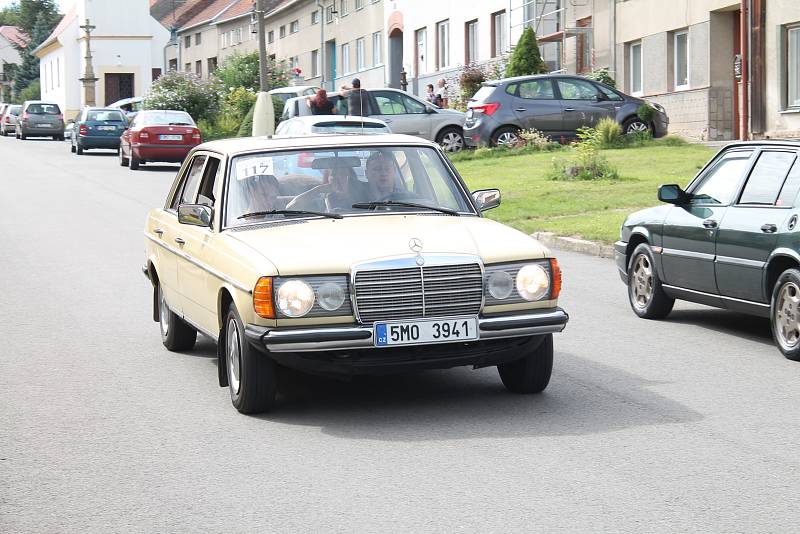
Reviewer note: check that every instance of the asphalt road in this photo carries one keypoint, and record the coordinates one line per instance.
(689, 424)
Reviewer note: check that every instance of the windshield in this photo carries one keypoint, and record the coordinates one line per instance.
(178, 118)
(14, 110)
(348, 127)
(332, 181)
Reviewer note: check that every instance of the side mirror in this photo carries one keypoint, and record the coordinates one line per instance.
(672, 194)
(486, 198)
(194, 215)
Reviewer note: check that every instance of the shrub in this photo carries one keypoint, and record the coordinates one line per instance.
(536, 140)
(242, 70)
(609, 133)
(646, 112)
(238, 101)
(526, 58)
(587, 163)
(32, 92)
(224, 127)
(672, 140)
(470, 79)
(246, 128)
(187, 92)
(602, 76)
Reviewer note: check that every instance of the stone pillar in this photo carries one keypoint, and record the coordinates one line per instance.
(88, 79)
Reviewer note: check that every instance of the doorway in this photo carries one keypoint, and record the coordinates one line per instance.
(395, 57)
(118, 86)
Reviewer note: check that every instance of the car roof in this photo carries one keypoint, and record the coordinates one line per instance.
(794, 143)
(238, 145)
(311, 120)
(39, 102)
(291, 89)
(501, 81)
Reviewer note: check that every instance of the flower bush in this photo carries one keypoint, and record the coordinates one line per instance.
(187, 92)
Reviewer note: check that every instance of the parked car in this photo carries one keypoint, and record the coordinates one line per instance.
(40, 119)
(347, 276)
(292, 91)
(97, 128)
(130, 106)
(8, 119)
(331, 124)
(729, 240)
(403, 113)
(556, 105)
(158, 135)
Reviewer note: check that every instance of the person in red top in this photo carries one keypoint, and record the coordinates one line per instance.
(320, 105)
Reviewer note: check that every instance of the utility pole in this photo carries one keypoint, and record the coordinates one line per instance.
(264, 112)
(88, 79)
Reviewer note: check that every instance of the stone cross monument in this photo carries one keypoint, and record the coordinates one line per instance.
(88, 79)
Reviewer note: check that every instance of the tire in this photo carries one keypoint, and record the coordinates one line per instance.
(645, 294)
(176, 334)
(505, 136)
(529, 374)
(22, 137)
(635, 125)
(72, 147)
(123, 161)
(785, 314)
(78, 149)
(451, 139)
(252, 376)
(134, 162)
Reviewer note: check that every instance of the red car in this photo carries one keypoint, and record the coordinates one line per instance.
(158, 135)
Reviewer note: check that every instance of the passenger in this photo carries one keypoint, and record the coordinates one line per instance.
(339, 192)
(320, 104)
(380, 177)
(262, 193)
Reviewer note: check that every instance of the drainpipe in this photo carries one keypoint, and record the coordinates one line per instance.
(613, 44)
(322, 50)
(744, 39)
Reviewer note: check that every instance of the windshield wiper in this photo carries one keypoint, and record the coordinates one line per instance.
(290, 212)
(371, 205)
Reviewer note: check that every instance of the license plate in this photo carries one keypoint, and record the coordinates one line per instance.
(425, 331)
(106, 128)
(171, 137)
(43, 126)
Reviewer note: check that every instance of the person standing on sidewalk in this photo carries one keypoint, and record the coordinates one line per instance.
(320, 104)
(441, 93)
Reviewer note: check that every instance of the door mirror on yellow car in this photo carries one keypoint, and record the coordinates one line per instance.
(487, 198)
(194, 215)
(672, 194)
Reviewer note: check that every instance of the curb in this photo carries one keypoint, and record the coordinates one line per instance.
(574, 244)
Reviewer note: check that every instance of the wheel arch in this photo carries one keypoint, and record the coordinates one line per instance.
(778, 262)
(152, 274)
(638, 236)
(447, 126)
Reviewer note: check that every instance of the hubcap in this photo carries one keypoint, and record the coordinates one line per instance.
(642, 281)
(234, 355)
(163, 313)
(787, 315)
(452, 142)
(636, 127)
(507, 138)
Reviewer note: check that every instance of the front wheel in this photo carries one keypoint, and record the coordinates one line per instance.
(645, 294)
(176, 334)
(785, 314)
(530, 374)
(451, 140)
(506, 136)
(252, 376)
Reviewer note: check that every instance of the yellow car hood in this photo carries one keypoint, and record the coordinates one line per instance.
(328, 246)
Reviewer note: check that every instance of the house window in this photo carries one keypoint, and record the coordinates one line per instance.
(314, 17)
(681, 64)
(239, 34)
(294, 27)
(198, 38)
(361, 54)
(359, 4)
(377, 51)
(346, 69)
(187, 41)
(294, 62)
(329, 14)
(344, 8)
(212, 65)
(471, 37)
(793, 71)
(58, 72)
(499, 34)
(443, 44)
(271, 37)
(314, 63)
(282, 32)
(636, 68)
(223, 39)
(173, 64)
(198, 68)
(187, 67)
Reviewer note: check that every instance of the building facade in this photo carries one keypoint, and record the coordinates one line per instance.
(11, 38)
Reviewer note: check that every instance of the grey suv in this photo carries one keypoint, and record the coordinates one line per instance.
(556, 105)
(40, 119)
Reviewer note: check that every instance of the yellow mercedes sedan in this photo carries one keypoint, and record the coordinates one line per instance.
(343, 255)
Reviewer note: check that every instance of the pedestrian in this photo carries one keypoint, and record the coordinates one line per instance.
(441, 93)
(357, 101)
(320, 104)
(430, 96)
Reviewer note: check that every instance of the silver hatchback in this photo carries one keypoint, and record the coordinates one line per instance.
(40, 119)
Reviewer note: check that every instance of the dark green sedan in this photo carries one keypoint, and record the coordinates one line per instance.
(731, 239)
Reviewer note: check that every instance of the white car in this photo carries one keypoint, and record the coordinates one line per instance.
(331, 124)
(285, 93)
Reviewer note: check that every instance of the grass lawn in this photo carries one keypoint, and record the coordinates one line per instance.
(589, 209)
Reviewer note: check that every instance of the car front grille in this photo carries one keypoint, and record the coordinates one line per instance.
(417, 292)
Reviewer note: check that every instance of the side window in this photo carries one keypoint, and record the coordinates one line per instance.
(206, 193)
(512, 89)
(188, 187)
(767, 178)
(536, 90)
(577, 90)
(389, 103)
(611, 95)
(412, 106)
(720, 182)
(790, 187)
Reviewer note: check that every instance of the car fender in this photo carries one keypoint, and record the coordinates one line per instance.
(776, 255)
(446, 124)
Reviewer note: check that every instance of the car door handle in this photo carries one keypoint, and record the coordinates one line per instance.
(158, 231)
(710, 223)
(387, 120)
(520, 109)
(769, 228)
(569, 109)
(180, 241)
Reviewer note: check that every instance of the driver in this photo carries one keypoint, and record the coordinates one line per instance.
(339, 192)
(261, 191)
(380, 173)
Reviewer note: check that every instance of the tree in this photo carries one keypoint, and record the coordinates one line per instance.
(31, 10)
(241, 70)
(29, 68)
(9, 15)
(526, 58)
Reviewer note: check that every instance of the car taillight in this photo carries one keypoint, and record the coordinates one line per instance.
(83, 130)
(487, 109)
(60, 117)
(196, 135)
(25, 116)
(144, 134)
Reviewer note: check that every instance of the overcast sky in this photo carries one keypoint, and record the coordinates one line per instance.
(63, 3)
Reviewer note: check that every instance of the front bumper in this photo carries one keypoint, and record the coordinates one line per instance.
(621, 259)
(351, 349)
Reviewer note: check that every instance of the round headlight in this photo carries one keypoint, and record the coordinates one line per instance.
(500, 285)
(533, 282)
(330, 296)
(295, 298)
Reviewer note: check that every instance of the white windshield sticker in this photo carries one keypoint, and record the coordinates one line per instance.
(245, 168)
